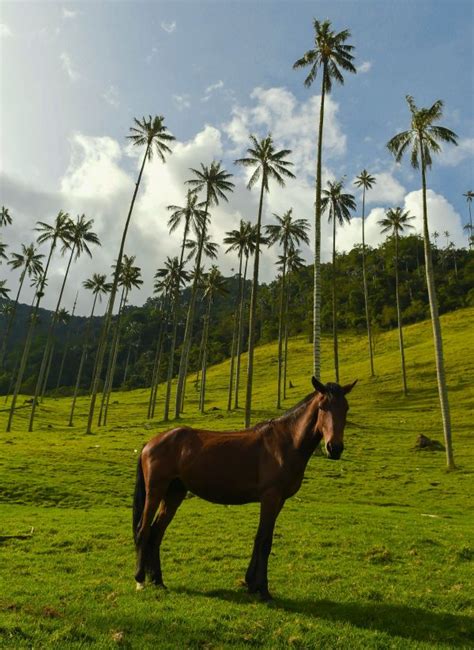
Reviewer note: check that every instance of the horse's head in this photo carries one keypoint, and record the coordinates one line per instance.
(332, 412)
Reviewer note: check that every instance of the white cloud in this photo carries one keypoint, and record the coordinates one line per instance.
(364, 67)
(70, 14)
(5, 31)
(68, 66)
(111, 96)
(452, 156)
(211, 89)
(149, 57)
(386, 190)
(441, 215)
(182, 102)
(168, 27)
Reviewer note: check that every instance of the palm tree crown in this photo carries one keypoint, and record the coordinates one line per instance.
(288, 232)
(214, 180)
(338, 203)
(396, 220)
(191, 213)
(5, 218)
(269, 163)
(365, 180)
(81, 236)
(29, 259)
(98, 285)
(153, 134)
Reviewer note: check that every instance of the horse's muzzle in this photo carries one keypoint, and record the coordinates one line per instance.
(334, 450)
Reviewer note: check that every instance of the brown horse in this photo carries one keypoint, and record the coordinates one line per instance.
(265, 463)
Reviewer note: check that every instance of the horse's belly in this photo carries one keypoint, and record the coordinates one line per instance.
(224, 495)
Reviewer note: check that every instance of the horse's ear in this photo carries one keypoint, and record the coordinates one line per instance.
(321, 388)
(348, 387)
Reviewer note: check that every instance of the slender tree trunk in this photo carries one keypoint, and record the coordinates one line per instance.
(12, 378)
(202, 396)
(188, 332)
(48, 370)
(317, 241)
(240, 339)
(334, 295)
(234, 339)
(280, 326)
(437, 336)
(109, 382)
(399, 317)
(108, 316)
(366, 291)
(11, 319)
(127, 361)
(157, 362)
(253, 310)
(49, 342)
(29, 338)
(66, 345)
(285, 363)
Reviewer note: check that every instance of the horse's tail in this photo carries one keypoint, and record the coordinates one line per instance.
(138, 499)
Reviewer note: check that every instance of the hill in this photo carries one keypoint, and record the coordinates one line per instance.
(374, 551)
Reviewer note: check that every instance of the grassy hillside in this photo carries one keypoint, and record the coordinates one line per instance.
(375, 551)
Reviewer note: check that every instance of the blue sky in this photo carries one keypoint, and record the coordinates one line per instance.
(73, 76)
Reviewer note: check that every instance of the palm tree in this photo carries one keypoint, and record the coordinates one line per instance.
(288, 233)
(339, 206)
(162, 288)
(3, 290)
(366, 181)
(152, 134)
(66, 346)
(30, 263)
(100, 287)
(213, 284)
(77, 237)
(267, 164)
(447, 234)
(58, 232)
(330, 53)
(435, 235)
(215, 182)
(130, 277)
(63, 318)
(5, 218)
(423, 137)
(3, 254)
(469, 196)
(294, 262)
(133, 335)
(396, 221)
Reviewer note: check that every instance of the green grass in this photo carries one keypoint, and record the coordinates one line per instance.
(375, 551)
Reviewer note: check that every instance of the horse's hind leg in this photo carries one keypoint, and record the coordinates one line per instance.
(154, 495)
(170, 503)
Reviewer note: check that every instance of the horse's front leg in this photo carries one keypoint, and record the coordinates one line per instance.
(256, 576)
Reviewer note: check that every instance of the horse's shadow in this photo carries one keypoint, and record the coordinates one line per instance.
(412, 623)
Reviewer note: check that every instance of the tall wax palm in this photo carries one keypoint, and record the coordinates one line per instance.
(447, 234)
(294, 262)
(58, 232)
(395, 222)
(366, 181)
(5, 218)
(130, 278)
(29, 261)
(267, 164)
(288, 233)
(99, 287)
(3, 290)
(213, 284)
(77, 239)
(133, 336)
(330, 53)
(3, 251)
(423, 139)
(63, 317)
(469, 196)
(152, 134)
(66, 345)
(338, 206)
(215, 182)
(435, 235)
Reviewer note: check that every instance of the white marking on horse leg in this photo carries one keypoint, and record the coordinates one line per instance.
(140, 586)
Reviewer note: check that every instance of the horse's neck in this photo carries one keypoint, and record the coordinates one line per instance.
(304, 433)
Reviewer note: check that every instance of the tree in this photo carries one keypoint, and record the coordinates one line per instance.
(447, 234)
(215, 182)
(29, 261)
(435, 235)
(395, 222)
(162, 288)
(213, 284)
(3, 290)
(366, 182)
(294, 262)
(77, 238)
(267, 164)
(99, 287)
(339, 206)
(288, 233)
(3, 254)
(423, 138)
(59, 232)
(152, 134)
(5, 218)
(331, 53)
(469, 196)
(66, 347)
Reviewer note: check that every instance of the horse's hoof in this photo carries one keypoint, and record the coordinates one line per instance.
(266, 597)
(140, 586)
(252, 589)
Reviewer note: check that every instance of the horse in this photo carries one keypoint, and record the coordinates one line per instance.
(265, 464)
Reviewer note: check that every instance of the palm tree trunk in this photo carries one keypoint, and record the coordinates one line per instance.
(29, 338)
(317, 241)
(157, 362)
(240, 340)
(253, 311)
(66, 345)
(183, 365)
(113, 360)
(334, 305)
(202, 396)
(280, 326)
(437, 336)
(11, 319)
(399, 317)
(108, 317)
(366, 291)
(48, 370)
(49, 342)
(127, 361)
(234, 339)
(12, 378)
(285, 363)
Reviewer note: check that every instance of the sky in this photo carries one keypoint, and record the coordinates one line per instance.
(73, 75)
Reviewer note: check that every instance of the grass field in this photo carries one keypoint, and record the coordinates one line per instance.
(375, 551)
